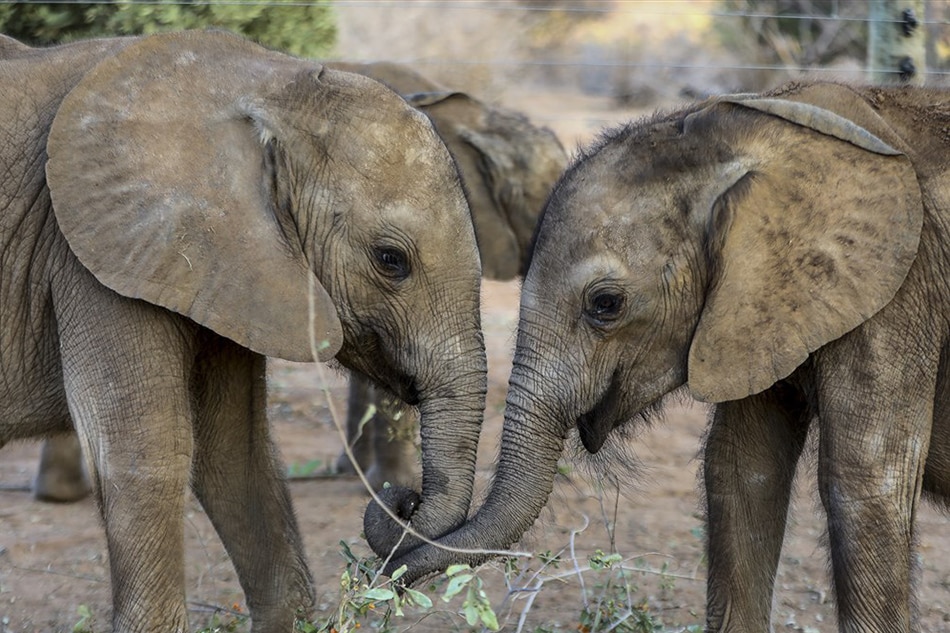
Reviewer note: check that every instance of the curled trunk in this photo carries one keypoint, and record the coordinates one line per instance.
(530, 447)
(450, 422)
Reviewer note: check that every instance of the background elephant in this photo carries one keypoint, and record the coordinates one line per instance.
(174, 209)
(785, 257)
(508, 167)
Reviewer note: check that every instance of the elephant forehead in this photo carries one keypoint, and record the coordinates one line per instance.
(611, 224)
(407, 147)
(432, 226)
(601, 264)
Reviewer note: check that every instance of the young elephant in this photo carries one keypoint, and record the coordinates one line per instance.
(508, 167)
(783, 256)
(175, 208)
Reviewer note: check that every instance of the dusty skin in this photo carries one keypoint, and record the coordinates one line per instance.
(53, 557)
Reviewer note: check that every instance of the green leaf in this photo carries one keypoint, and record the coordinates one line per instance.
(367, 416)
(379, 594)
(456, 585)
(305, 469)
(85, 615)
(419, 598)
(399, 572)
(471, 613)
(488, 617)
(454, 569)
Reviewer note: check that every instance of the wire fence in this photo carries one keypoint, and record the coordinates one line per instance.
(638, 53)
(633, 54)
(521, 20)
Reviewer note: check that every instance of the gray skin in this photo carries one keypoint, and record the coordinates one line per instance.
(174, 209)
(508, 167)
(784, 257)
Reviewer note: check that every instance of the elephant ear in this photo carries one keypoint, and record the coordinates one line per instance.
(461, 121)
(162, 174)
(426, 99)
(813, 240)
(494, 151)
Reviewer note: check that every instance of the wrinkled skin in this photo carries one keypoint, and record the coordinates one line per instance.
(508, 167)
(174, 209)
(785, 258)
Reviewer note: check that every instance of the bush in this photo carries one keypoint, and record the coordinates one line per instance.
(307, 30)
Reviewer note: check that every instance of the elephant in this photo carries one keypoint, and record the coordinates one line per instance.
(782, 256)
(176, 208)
(508, 166)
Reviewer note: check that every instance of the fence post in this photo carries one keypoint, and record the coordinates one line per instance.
(897, 50)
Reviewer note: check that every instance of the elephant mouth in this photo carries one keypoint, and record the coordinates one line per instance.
(376, 364)
(399, 385)
(595, 426)
(408, 392)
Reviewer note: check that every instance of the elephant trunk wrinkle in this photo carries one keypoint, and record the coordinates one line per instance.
(531, 446)
(449, 429)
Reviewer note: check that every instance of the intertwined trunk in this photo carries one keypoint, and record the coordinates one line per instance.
(452, 388)
(530, 447)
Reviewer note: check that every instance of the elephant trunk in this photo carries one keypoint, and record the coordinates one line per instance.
(452, 402)
(531, 444)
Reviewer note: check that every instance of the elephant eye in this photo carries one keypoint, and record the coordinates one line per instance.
(392, 261)
(604, 306)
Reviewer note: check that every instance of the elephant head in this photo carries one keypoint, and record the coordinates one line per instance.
(508, 167)
(716, 248)
(302, 212)
(507, 164)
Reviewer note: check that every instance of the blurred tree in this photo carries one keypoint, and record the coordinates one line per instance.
(305, 29)
(801, 33)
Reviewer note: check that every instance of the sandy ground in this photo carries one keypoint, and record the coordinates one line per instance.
(53, 558)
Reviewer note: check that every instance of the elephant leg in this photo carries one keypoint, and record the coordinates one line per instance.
(238, 479)
(126, 366)
(751, 452)
(384, 443)
(359, 431)
(875, 430)
(936, 483)
(61, 476)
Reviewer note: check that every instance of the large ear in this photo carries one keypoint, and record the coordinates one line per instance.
(162, 175)
(461, 121)
(431, 98)
(399, 77)
(814, 239)
(519, 164)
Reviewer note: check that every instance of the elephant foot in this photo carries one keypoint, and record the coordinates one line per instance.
(60, 485)
(343, 465)
(61, 477)
(380, 473)
(394, 463)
